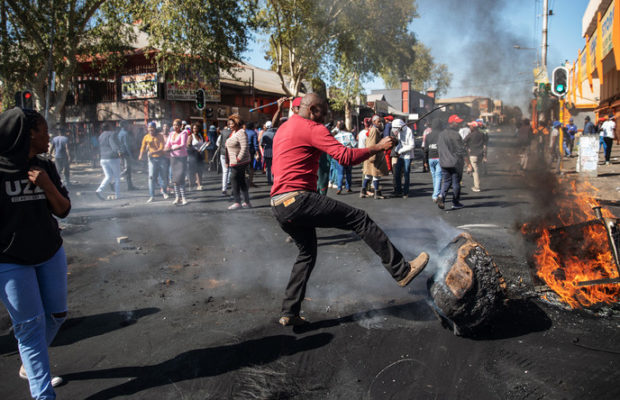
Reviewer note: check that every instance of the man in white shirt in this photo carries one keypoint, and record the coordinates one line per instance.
(404, 151)
(608, 132)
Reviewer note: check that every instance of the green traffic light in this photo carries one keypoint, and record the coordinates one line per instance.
(560, 88)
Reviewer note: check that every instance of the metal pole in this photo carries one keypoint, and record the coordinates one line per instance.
(544, 33)
(50, 63)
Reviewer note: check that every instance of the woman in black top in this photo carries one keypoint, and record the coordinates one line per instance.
(33, 265)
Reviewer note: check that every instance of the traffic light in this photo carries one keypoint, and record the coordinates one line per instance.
(200, 99)
(209, 112)
(559, 81)
(24, 99)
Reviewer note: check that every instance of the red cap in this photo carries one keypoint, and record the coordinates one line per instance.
(297, 102)
(454, 119)
(389, 118)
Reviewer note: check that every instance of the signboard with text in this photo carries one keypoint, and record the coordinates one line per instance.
(187, 91)
(139, 86)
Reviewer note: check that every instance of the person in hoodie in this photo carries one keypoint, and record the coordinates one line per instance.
(33, 265)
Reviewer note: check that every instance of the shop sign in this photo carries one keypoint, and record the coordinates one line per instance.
(139, 86)
(187, 91)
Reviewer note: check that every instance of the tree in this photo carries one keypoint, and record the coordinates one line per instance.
(203, 34)
(198, 35)
(79, 28)
(310, 37)
(421, 69)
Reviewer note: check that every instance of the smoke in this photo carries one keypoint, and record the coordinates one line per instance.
(476, 40)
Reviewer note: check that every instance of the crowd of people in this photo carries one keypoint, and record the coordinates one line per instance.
(549, 141)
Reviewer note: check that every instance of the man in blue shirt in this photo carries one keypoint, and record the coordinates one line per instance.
(569, 138)
(589, 128)
(253, 147)
(60, 151)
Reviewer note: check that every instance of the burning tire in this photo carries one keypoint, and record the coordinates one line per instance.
(468, 289)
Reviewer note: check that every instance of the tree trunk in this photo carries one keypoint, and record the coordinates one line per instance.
(348, 118)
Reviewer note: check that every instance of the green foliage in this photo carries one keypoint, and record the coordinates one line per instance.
(421, 69)
(200, 35)
(314, 37)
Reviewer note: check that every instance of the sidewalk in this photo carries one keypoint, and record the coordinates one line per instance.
(606, 182)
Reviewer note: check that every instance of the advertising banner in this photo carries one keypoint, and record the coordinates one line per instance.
(587, 163)
(139, 86)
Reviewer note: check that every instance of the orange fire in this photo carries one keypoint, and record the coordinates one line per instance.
(577, 252)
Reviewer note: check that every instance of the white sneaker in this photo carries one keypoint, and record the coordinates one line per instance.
(150, 200)
(183, 202)
(165, 195)
(176, 200)
(56, 380)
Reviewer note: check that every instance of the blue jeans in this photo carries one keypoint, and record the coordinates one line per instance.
(402, 165)
(333, 171)
(34, 296)
(435, 169)
(111, 171)
(342, 171)
(158, 171)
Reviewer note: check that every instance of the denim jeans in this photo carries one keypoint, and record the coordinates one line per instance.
(404, 166)
(225, 173)
(111, 171)
(342, 171)
(268, 163)
(433, 165)
(32, 294)
(158, 171)
(310, 210)
(333, 171)
(62, 165)
(451, 177)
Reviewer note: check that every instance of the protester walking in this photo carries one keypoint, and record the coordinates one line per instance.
(344, 171)
(110, 159)
(404, 152)
(238, 156)
(127, 154)
(452, 157)
(432, 154)
(177, 146)
(375, 166)
(476, 144)
(33, 264)
(62, 157)
(195, 156)
(153, 145)
(608, 132)
(266, 143)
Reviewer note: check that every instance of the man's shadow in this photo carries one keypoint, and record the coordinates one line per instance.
(199, 363)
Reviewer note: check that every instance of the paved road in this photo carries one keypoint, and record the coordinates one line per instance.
(188, 308)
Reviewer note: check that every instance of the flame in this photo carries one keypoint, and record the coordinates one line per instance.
(577, 252)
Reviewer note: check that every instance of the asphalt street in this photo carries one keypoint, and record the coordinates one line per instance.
(187, 308)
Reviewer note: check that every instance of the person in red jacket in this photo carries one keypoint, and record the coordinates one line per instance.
(299, 209)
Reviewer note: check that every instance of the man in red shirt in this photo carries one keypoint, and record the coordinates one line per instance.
(299, 209)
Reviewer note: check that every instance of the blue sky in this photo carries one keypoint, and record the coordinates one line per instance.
(475, 40)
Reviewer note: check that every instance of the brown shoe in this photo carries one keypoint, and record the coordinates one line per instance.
(416, 266)
(292, 321)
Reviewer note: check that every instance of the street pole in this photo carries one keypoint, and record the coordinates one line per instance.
(50, 64)
(544, 33)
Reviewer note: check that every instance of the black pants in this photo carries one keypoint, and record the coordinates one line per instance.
(609, 142)
(239, 183)
(310, 210)
(451, 177)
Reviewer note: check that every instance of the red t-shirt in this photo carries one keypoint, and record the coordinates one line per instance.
(297, 146)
